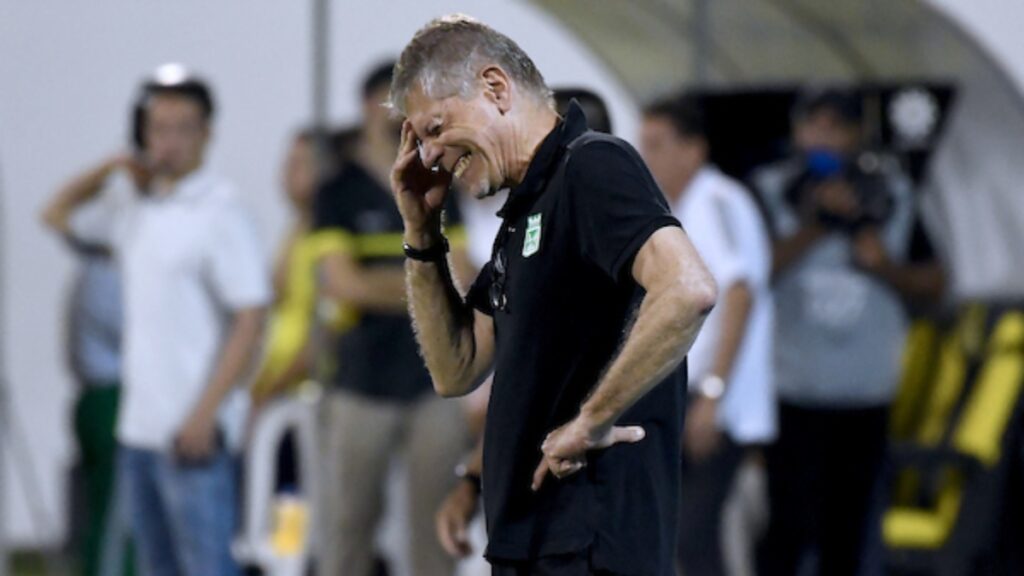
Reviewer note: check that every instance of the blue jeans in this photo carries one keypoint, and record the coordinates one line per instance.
(182, 516)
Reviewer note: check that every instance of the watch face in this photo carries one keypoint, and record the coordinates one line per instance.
(712, 387)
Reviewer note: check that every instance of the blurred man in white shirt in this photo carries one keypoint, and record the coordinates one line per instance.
(731, 405)
(195, 288)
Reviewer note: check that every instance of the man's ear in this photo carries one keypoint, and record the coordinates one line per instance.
(497, 88)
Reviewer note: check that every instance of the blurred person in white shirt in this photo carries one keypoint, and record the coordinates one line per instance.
(731, 405)
(196, 286)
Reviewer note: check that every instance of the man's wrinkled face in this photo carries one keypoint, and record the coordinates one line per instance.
(176, 133)
(826, 130)
(462, 137)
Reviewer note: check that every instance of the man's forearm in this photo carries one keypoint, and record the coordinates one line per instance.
(444, 326)
(734, 311)
(382, 290)
(916, 281)
(663, 332)
(367, 288)
(235, 359)
(78, 191)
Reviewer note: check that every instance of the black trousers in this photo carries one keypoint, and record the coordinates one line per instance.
(573, 564)
(706, 486)
(822, 472)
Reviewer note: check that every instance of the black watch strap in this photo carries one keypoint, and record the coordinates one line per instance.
(436, 253)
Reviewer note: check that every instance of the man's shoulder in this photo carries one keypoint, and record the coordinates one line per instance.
(593, 144)
(597, 155)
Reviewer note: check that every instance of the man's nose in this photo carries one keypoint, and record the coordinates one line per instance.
(431, 153)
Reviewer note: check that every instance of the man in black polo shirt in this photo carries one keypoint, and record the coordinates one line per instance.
(381, 399)
(586, 241)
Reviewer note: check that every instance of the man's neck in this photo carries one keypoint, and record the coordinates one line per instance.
(527, 137)
(167, 182)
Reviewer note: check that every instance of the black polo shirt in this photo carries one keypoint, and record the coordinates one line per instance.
(378, 356)
(570, 232)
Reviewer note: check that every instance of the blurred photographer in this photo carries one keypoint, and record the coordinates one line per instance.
(848, 254)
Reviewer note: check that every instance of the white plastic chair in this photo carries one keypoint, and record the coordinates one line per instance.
(253, 545)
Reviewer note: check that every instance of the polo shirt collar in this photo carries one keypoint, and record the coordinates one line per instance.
(551, 149)
(191, 186)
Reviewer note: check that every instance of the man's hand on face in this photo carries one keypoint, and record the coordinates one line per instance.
(565, 449)
(701, 436)
(419, 191)
(453, 518)
(197, 439)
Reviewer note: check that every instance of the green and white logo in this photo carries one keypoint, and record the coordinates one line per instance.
(532, 242)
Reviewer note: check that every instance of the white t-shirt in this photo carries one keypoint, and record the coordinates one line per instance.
(188, 260)
(724, 224)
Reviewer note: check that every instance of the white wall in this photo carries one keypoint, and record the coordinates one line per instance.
(995, 26)
(976, 174)
(68, 71)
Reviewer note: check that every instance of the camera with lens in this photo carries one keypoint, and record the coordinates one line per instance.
(865, 174)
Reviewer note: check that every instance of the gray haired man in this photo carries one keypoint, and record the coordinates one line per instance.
(587, 243)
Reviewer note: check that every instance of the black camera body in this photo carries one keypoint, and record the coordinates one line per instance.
(867, 175)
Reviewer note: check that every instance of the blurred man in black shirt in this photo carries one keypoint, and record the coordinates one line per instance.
(380, 400)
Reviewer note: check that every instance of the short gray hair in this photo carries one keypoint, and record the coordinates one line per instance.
(446, 55)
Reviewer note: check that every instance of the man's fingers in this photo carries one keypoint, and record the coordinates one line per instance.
(568, 467)
(408, 140)
(399, 171)
(627, 434)
(559, 468)
(539, 474)
(435, 197)
(403, 162)
(461, 540)
(445, 534)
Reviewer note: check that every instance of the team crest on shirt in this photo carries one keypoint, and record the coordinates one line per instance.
(532, 242)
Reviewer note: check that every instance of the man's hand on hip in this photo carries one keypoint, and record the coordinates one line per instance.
(565, 449)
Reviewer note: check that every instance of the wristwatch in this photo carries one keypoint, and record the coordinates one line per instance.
(711, 387)
(462, 472)
(436, 253)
